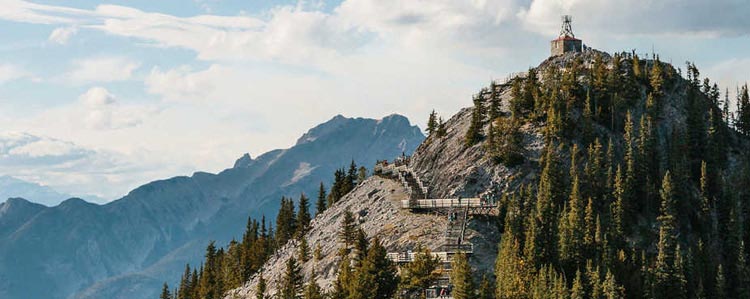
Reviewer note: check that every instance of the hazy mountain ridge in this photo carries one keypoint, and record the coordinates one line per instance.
(158, 227)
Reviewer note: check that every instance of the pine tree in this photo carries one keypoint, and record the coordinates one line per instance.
(721, 284)
(344, 279)
(486, 289)
(463, 285)
(184, 290)
(657, 78)
(285, 222)
(303, 217)
(376, 276)
(303, 250)
(320, 205)
(361, 174)
(432, 123)
(667, 279)
(290, 286)
(420, 273)
(348, 231)
(494, 111)
(474, 133)
(572, 237)
(577, 291)
(441, 130)
(510, 268)
(612, 290)
(260, 288)
(312, 289)
(743, 111)
(210, 282)
(543, 224)
(165, 294)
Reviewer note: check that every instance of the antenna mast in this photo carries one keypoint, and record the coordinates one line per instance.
(567, 29)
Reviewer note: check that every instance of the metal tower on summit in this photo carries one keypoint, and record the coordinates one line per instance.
(567, 41)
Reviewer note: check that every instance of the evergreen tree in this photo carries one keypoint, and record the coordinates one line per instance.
(657, 78)
(571, 235)
(348, 231)
(486, 289)
(577, 291)
(743, 111)
(320, 205)
(420, 273)
(285, 222)
(290, 285)
(721, 284)
(543, 224)
(441, 130)
(667, 279)
(303, 250)
(260, 288)
(210, 286)
(432, 123)
(376, 276)
(494, 110)
(184, 290)
(474, 134)
(165, 294)
(344, 279)
(303, 217)
(463, 285)
(510, 268)
(312, 289)
(612, 290)
(361, 174)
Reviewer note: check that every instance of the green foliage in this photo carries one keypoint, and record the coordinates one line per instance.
(505, 141)
(463, 284)
(260, 288)
(291, 284)
(303, 217)
(486, 288)
(320, 204)
(420, 273)
(474, 133)
(165, 294)
(432, 123)
(312, 289)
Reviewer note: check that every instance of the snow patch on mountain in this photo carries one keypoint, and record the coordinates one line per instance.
(302, 171)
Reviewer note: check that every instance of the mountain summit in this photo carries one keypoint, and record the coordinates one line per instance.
(611, 175)
(125, 248)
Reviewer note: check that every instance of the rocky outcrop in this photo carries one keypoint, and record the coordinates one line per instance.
(375, 203)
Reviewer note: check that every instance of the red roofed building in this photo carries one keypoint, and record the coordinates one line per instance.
(567, 41)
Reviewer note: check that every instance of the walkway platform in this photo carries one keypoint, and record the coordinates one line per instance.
(446, 203)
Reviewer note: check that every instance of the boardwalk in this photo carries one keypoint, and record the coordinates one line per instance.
(446, 203)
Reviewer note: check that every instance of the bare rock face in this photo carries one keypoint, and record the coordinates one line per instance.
(452, 169)
(375, 203)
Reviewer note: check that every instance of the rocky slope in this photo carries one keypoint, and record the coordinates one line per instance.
(375, 203)
(129, 247)
(451, 169)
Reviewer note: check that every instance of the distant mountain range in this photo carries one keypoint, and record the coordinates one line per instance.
(13, 187)
(128, 247)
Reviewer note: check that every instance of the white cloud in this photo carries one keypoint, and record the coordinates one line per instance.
(274, 74)
(61, 35)
(10, 72)
(70, 167)
(637, 17)
(102, 69)
(181, 83)
(102, 111)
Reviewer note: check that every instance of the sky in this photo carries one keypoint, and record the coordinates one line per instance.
(97, 98)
